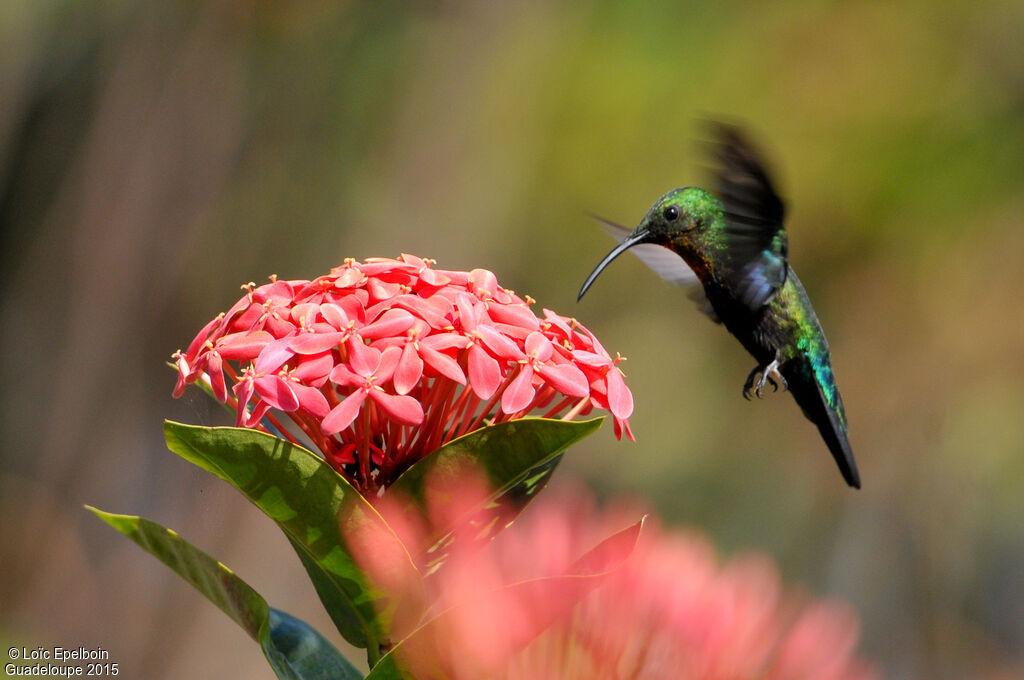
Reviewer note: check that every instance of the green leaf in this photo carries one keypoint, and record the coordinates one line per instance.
(516, 458)
(334, 600)
(318, 510)
(297, 647)
(547, 600)
(294, 649)
(507, 453)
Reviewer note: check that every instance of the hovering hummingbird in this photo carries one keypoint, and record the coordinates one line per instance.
(735, 246)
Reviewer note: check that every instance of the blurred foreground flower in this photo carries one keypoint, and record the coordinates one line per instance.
(670, 610)
(381, 362)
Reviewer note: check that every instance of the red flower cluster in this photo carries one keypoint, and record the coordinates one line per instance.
(381, 362)
(672, 609)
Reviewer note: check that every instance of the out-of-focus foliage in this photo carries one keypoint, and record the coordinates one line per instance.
(293, 649)
(155, 155)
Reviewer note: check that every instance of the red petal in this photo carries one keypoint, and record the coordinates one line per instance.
(304, 314)
(410, 368)
(584, 338)
(445, 341)
(243, 346)
(243, 392)
(314, 343)
(349, 277)
(275, 355)
(342, 415)
(517, 333)
(201, 337)
(403, 409)
(620, 399)
(278, 327)
(622, 427)
(483, 283)
(443, 364)
(245, 320)
(381, 290)
(435, 311)
(307, 291)
(183, 372)
(559, 322)
(253, 418)
(375, 266)
(312, 400)
(276, 391)
(519, 393)
(514, 315)
(432, 277)
(484, 372)
(362, 358)
(313, 368)
(279, 293)
(436, 305)
(499, 344)
(342, 375)
(334, 314)
(566, 378)
(469, 313)
(389, 359)
(457, 278)
(392, 322)
(591, 359)
(215, 369)
(416, 261)
(243, 305)
(341, 310)
(538, 346)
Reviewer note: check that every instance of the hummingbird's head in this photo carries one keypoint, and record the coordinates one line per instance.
(682, 220)
(678, 219)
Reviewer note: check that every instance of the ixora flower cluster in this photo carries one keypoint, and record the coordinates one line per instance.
(668, 608)
(383, 361)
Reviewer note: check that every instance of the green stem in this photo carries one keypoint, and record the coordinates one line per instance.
(372, 651)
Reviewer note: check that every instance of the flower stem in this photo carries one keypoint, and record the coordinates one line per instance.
(364, 445)
(562, 404)
(492, 402)
(574, 411)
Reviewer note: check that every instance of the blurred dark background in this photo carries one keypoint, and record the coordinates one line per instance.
(154, 156)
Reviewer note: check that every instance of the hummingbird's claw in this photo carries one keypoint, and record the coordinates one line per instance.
(768, 374)
(749, 385)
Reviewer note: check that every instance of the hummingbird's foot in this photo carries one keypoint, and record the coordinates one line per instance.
(769, 373)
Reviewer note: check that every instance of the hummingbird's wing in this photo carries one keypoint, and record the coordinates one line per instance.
(754, 214)
(665, 264)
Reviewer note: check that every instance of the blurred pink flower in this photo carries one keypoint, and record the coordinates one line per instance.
(381, 362)
(670, 610)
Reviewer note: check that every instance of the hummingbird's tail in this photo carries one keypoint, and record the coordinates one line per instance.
(829, 416)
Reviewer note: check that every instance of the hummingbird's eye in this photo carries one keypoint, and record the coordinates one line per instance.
(670, 213)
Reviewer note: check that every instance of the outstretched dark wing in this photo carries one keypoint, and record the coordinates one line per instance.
(758, 262)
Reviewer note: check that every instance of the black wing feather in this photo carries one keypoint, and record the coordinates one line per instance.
(759, 259)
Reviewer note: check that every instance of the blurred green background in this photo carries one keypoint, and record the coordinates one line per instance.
(156, 155)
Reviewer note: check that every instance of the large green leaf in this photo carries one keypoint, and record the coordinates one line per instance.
(516, 460)
(294, 649)
(545, 600)
(319, 511)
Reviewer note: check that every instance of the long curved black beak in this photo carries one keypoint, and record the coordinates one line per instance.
(636, 237)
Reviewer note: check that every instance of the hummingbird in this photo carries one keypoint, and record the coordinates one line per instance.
(734, 244)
